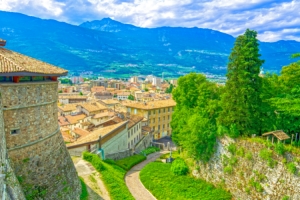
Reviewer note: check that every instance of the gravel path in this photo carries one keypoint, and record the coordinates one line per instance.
(95, 186)
(132, 179)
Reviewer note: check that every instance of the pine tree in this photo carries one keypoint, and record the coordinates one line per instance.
(241, 99)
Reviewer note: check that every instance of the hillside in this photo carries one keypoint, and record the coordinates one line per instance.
(111, 48)
(253, 169)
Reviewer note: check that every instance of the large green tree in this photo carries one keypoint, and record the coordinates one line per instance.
(241, 102)
(194, 120)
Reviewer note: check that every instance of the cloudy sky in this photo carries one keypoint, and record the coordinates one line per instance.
(273, 19)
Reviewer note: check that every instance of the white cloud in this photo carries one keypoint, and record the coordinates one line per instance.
(272, 19)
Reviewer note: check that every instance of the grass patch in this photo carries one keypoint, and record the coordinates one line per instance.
(84, 193)
(163, 184)
(175, 154)
(149, 150)
(112, 176)
(129, 162)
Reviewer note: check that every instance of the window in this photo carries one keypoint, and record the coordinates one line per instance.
(149, 112)
(164, 118)
(164, 110)
(128, 134)
(158, 127)
(168, 109)
(168, 117)
(134, 111)
(153, 112)
(159, 119)
(15, 131)
(163, 127)
(153, 120)
(153, 128)
(158, 111)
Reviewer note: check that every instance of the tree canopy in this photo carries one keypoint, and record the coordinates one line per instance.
(241, 98)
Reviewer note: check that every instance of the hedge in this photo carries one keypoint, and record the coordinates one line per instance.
(149, 150)
(129, 162)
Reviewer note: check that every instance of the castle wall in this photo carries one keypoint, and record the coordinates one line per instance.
(36, 149)
(10, 188)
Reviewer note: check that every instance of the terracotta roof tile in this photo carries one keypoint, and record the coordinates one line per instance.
(94, 136)
(73, 119)
(151, 104)
(68, 107)
(15, 62)
(99, 115)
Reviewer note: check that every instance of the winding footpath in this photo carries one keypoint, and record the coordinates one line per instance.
(132, 179)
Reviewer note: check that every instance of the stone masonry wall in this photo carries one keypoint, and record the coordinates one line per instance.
(37, 152)
(251, 177)
(10, 188)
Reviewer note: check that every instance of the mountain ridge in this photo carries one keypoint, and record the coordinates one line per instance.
(114, 49)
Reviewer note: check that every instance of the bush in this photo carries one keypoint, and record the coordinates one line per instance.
(84, 193)
(179, 167)
(228, 170)
(149, 150)
(249, 156)
(113, 178)
(129, 162)
(232, 148)
(279, 148)
(163, 184)
(94, 159)
(291, 167)
(175, 154)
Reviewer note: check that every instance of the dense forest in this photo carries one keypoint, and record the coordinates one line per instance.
(249, 103)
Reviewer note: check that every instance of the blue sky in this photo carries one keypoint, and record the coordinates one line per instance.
(273, 19)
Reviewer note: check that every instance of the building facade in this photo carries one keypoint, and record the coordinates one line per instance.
(158, 113)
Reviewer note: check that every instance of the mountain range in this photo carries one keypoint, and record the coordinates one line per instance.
(114, 49)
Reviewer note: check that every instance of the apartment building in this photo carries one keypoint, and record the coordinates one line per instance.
(158, 113)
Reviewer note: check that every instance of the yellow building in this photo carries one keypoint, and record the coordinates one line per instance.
(158, 114)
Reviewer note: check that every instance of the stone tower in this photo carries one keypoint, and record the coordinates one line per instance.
(34, 147)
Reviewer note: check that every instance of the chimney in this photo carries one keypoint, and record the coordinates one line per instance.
(2, 42)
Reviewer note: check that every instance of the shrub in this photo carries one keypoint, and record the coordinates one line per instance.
(240, 152)
(228, 170)
(291, 167)
(94, 159)
(129, 162)
(249, 156)
(175, 154)
(149, 150)
(84, 193)
(179, 167)
(163, 184)
(286, 198)
(265, 154)
(232, 148)
(279, 148)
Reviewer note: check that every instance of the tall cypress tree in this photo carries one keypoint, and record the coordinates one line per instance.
(241, 98)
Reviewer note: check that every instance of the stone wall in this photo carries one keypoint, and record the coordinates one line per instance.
(119, 155)
(10, 188)
(37, 152)
(144, 143)
(250, 177)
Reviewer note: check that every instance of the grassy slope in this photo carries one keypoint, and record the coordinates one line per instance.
(163, 184)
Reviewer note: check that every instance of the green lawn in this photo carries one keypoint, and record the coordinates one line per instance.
(163, 184)
(84, 193)
(150, 150)
(129, 162)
